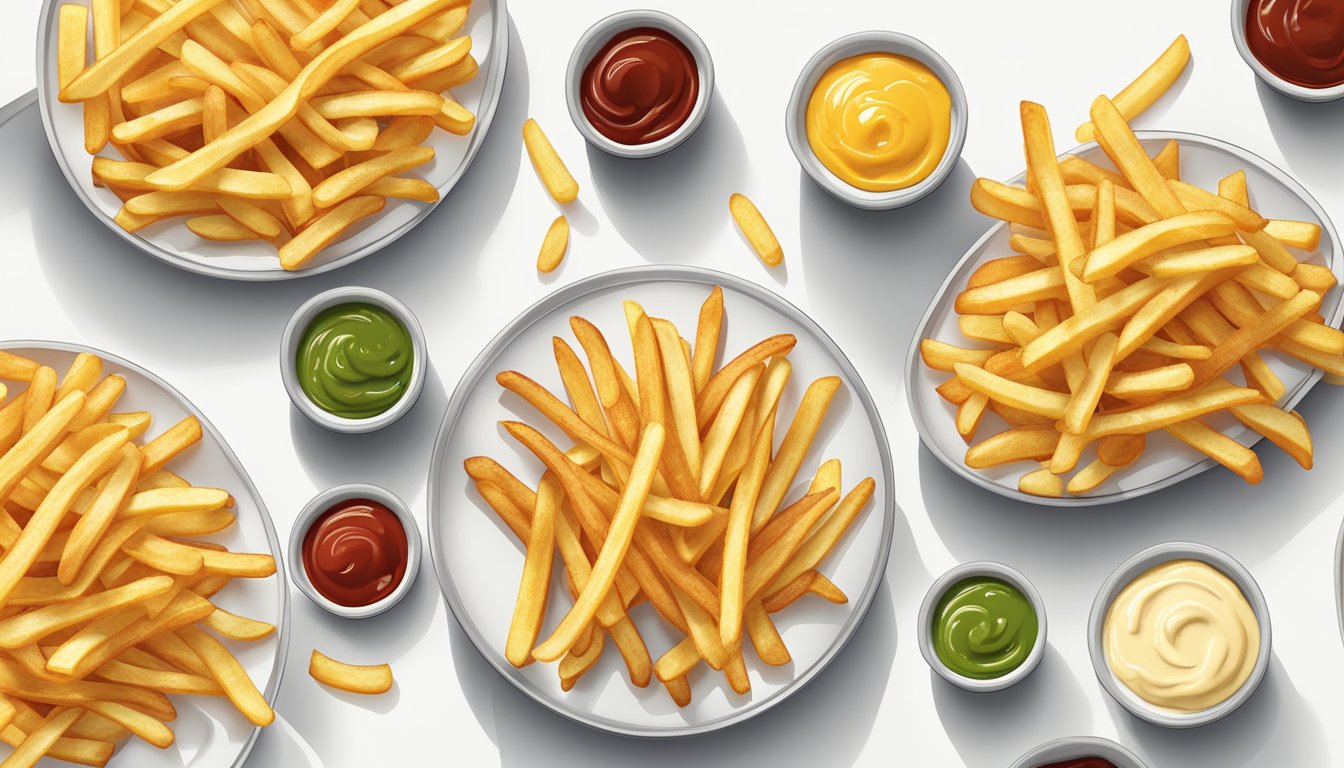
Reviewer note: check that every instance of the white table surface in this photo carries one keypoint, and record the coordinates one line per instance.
(866, 278)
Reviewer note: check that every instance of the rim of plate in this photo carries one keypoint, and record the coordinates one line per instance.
(612, 279)
(1291, 399)
(490, 97)
(1339, 582)
(272, 691)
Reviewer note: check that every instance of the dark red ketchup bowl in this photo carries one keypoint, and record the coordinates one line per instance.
(355, 550)
(639, 83)
(1295, 46)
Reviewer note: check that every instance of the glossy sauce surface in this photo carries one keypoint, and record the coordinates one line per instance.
(879, 121)
(1081, 762)
(1181, 636)
(984, 628)
(355, 360)
(1301, 41)
(640, 87)
(355, 553)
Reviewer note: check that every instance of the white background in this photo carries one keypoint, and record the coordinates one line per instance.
(866, 278)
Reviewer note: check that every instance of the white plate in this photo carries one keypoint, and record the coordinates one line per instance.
(170, 241)
(1166, 460)
(478, 561)
(210, 733)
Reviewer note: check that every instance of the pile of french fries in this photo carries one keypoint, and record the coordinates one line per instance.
(105, 586)
(279, 120)
(672, 494)
(1131, 297)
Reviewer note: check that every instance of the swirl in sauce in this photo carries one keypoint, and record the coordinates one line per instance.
(1301, 41)
(879, 121)
(640, 87)
(355, 553)
(1181, 636)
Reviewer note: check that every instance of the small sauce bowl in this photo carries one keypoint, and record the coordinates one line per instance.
(591, 42)
(1134, 567)
(293, 336)
(1240, 9)
(940, 587)
(859, 43)
(325, 501)
(1078, 747)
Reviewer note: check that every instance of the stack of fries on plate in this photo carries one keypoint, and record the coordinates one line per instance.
(637, 505)
(104, 589)
(1133, 296)
(279, 120)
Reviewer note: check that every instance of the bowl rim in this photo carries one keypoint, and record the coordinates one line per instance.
(1287, 88)
(939, 588)
(1092, 746)
(298, 323)
(325, 500)
(596, 36)
(856, 43)
(1138, 564)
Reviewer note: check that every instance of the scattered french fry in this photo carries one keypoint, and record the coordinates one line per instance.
(755, 228)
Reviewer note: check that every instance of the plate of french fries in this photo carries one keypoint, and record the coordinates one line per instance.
(267, 139)
(142, 606)
(660, 502)
(1200, 304)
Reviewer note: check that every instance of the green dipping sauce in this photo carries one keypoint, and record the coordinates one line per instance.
(984, 628)
(355, 360)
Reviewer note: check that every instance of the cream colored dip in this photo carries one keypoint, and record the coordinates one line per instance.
(1181, 636)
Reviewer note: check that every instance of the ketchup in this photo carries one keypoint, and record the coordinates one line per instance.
(640, 87)
(1301, 41)
(1082, 762)
(355, 553)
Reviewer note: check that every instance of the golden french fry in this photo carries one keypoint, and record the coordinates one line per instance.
(1168, 161)
(1178, 263)
(230, 675)
(220, 227)
(1083, 402)
(257, 219)
(71, 31)
(707, 332)
(1297, 234)
(324, 24)
(1089, 478)
(1220, 448)
(530, 607)
(755, 229)
(554, 245)
(1060, 223)
(326, 228)
(614, 547)
(342, 185)
(789, 458)
(549, 167)
(353, 678)
(1148, 87)
(732, 581)
(1041, 483)
(1016, 394)
(1036, 443)
(37, 744)
(1110, 259)
(1123, 148)
(1136, 384)
(714, 392)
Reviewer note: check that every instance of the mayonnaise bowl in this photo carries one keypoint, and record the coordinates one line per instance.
(877, 43)
(1221, 609)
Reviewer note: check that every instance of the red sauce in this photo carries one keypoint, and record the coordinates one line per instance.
(1301, 41)
(640, 87)
(1082, 762)
(355, 553)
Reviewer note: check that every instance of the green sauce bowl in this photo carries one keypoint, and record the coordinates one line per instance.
(933, 602)
(389, 309)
